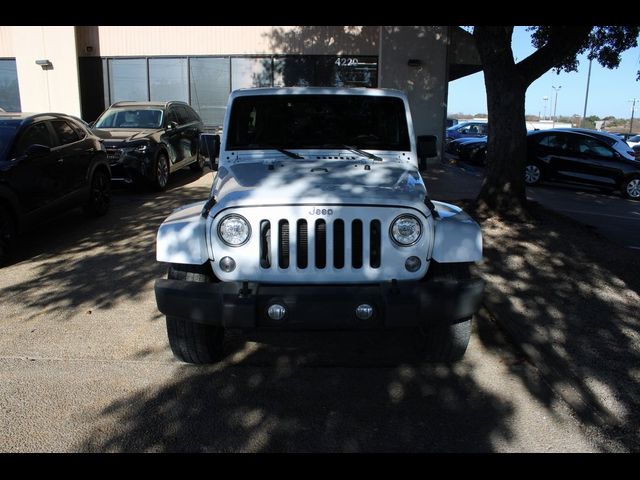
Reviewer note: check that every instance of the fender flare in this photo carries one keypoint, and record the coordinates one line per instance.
(457, 237)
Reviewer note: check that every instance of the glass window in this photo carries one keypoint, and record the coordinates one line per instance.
(183, 116)
(325, 71)
(128, 79)
(590, 146)
(308, 121)
(210, 88)
(7, 132)
(168, 79)
(120, 117)
(250, 72)
(65, 133)
(36, 134)
(9, 92)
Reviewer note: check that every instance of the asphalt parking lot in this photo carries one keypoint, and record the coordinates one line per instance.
(85, 365)
(607, 213)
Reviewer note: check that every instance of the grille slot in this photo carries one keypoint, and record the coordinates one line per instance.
(283, 244)
(356, 244)
(265, 244)
(374, 244)
(321, 244)
(302, 244)
(338, 243)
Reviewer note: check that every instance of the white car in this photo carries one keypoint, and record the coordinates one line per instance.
(633, 141)
(319, 219)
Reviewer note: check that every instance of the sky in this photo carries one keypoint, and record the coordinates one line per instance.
(609, 90)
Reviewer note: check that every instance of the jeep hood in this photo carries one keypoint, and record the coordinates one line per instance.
(122, 135)
(317, 182)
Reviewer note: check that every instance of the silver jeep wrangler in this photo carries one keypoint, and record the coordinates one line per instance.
(318, 218)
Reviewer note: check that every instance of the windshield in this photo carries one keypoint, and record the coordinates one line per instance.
(130, 118)
(7, 132)
(318, 121)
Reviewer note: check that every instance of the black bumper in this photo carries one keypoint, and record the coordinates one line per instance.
(398, 304)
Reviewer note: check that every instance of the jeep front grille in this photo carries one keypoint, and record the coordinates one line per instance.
(322, 252)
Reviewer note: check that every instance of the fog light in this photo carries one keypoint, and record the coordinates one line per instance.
(227, 264)
(412, 264)
(276, 312)
(364, 311)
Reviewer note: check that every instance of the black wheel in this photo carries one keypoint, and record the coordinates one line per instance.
(631, 188)
(99, 195)
(532, 174)
(446, 342)
(161, 172)
(7, 233)
(193, 342)
(198, 165)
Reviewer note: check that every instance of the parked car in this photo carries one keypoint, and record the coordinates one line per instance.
(48, 162)
(466, 129)
(583, 156)
(633, 141)
(451, 122)
(147, 141)
(319, 219)
(468, 149)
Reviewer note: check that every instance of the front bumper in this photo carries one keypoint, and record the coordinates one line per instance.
(397, 304)
(131, 166)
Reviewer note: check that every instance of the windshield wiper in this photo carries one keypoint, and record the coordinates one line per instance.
(356, 150)
(287, 152)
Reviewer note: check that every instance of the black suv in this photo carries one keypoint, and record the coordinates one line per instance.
(48, 162)
(146, 141)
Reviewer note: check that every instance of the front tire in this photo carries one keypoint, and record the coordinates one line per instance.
(193, 342)
(631, 188)
(444, 341)
(161, 171)
(7, 233)
(99, 195)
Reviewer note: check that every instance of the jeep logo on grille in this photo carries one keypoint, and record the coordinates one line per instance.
(321, 211)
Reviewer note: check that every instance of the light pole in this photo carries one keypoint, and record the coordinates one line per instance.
(545, 100)
(633, 107)
(557, 89)
(586, 95)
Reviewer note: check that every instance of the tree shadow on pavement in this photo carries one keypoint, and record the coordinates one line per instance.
(75, 261)
(570, 300)
(320, 392)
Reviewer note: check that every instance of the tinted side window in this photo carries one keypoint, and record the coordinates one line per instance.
(590, 146)
(65, 133)
(80, 131)
(183, 116)
(37, 134)
(171, 116)
(557, 142)
(194, 117)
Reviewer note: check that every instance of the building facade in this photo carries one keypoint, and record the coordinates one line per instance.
(82, 70)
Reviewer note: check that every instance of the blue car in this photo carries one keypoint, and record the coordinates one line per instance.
(466, 129)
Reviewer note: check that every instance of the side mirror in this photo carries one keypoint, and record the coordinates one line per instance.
(427, 148)
(37, 150)
(172, 125)
(210, 146)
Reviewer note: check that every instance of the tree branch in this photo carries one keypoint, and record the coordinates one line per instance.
(563, 42)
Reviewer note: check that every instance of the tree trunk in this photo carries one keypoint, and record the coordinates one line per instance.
(503, 188)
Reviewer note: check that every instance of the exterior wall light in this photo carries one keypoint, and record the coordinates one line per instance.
(45, 64)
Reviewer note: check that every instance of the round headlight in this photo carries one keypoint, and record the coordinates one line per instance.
(406, 230)
(234, 230)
